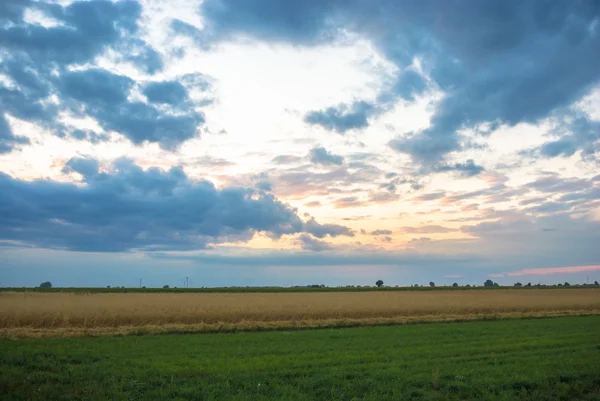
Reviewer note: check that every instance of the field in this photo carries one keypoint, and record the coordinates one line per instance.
(31, 314)
(543, 359)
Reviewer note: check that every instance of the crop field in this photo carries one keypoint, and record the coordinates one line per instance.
(39, 314)
(534, 359)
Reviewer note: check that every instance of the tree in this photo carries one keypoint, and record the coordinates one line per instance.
(496, 284)
(488, 283)
(455, 285)
(528, 285)
(166, 286)
(379, 283)
(431, 284)
(46, 284)
(567, 284)
(468, 286)
(517, 284)
(596, 283)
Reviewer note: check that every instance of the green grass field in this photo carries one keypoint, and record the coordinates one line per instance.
(540, 359)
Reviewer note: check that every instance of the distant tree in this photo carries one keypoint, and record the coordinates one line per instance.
(166, 286)
(518, 284)
(496, 284)
(144, 286)
(379, 283)
(468, 286)
(431, 284)
(488, 283)
(528, 285)
(46, 284)
(559, 284)
(455, 285)
(416, 285)
(108, 286)
(567, 284)
(596, 283)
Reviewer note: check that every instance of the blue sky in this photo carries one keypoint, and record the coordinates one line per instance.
(261, 142)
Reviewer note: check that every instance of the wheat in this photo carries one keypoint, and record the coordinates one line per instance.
(125, 312)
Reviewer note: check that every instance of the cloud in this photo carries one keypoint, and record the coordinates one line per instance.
(312, 244)
(430, 229)
(9, 141)
(104, 95)
(167, 92)
(320, 155)
(554, 183)
(39, 61)
(381, 232)
(129, 208)
(472, 51)
(575, 132)
(554, 270)
(286, 159)
(300, 181)
(467, 169)
(321, 230)
(341, 118)
(430, 196)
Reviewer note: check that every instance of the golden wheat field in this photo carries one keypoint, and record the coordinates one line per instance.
(25, 314)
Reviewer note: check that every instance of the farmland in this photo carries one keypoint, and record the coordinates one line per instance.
(556, 358)
(49, 314)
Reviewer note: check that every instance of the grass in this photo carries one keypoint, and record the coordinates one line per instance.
(543, 359)
(43, 314)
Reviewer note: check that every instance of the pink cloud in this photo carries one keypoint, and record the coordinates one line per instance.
(554, 270)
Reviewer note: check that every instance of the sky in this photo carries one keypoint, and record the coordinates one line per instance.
(267, 142)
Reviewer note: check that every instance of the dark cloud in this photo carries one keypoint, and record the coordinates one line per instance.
(312, 244)
(341, 118)
(322, 230)
(497, 62)
(296, 22)
(8, 141)
(561, 147)
(130, 208)
(103, 95)
(574, 134)
(467, 169)
(40, 59)
(554, 183)
(320, 155)
(166, 92)
(381, 232)
(430, 196)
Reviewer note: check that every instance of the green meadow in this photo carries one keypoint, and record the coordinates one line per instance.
(534, 359)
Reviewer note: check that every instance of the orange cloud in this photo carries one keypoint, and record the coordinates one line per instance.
(555, 270)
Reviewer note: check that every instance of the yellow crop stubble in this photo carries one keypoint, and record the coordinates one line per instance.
(24, 314)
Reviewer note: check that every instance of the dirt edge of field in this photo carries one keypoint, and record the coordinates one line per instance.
(15, 333)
